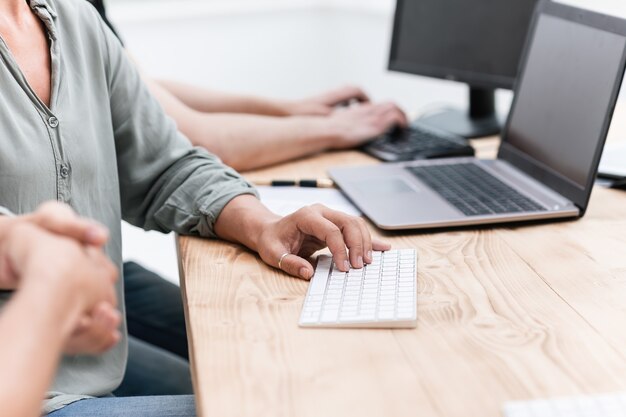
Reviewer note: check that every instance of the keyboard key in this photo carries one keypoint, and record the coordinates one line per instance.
(308, 320)
(318, 282)
(386, 315)
(405, 314)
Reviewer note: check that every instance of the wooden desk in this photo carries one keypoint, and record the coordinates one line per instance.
(504, 314)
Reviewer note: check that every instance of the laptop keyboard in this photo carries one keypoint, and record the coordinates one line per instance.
(473, 190)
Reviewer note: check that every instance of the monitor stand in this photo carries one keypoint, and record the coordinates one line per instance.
(481, 121)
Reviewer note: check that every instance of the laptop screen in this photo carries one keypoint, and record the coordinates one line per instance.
(564, 101)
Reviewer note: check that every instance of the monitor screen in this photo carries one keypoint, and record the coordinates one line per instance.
(474, 41)
(564, 99)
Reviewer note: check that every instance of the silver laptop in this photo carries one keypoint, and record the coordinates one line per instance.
(570, 77)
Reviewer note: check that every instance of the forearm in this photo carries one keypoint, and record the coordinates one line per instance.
(210, 101)
(34, 325)
(247, 142)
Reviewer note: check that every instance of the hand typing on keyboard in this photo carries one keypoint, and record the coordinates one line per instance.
(359, 124)
(288, 242)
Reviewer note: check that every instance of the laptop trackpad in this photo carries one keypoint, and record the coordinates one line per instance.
(396, 202)
(383, 187)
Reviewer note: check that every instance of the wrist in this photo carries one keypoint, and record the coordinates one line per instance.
(61, 306)
(244, 220)
(284, 108)
(322, 131)
(51, 278)
(256, 221)
(37, 267)
(261, 226)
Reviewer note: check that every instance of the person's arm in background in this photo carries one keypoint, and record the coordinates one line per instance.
(247, 141)
(45, 317)
(249, 132)
(212, 101)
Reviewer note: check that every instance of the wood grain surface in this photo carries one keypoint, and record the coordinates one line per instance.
(504, 314)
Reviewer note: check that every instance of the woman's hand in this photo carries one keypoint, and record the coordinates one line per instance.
(96, 332)
(60, 219)
(310, 229)
(34, 259)
(286, 243)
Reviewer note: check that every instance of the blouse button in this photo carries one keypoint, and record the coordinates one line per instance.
(53, 122)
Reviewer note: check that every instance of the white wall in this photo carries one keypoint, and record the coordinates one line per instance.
(142, 9)
(133, 10)
(613, 7)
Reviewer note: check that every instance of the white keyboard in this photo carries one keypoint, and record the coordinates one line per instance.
(382, 294)
(605, 405)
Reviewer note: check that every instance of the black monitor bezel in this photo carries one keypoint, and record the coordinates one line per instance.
(474, 79)
(579, 195)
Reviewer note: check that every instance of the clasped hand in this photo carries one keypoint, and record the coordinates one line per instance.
(54, 249)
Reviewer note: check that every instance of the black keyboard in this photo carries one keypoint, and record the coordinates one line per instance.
(473, 190)
(417, 142)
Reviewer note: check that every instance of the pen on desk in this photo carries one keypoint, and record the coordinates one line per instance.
(308, 183)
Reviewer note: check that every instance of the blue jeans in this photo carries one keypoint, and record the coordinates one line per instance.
(153, 371)
(157, 382)
(154, 310)
(157, 346)
(157, 406)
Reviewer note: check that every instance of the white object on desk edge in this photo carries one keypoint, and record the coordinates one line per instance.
(286, 200)
(613, 160)
(599, 405)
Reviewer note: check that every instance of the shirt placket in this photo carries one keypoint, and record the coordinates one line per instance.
(63, 167)
(62, 164)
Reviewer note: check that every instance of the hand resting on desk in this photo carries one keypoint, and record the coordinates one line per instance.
(286, 242)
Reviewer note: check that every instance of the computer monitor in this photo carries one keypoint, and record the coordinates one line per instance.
(478, 42)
